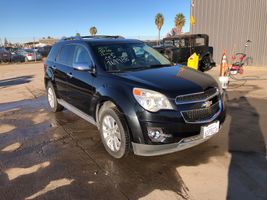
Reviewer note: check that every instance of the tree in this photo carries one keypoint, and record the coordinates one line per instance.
(179, 22)
(159, 20)
(5, 42)
(93, 30)
(78, 34)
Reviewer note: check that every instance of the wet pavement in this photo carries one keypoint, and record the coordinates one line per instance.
(44, 155)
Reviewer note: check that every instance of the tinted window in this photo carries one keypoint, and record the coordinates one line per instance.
(65, 56)
(53, 53)
(81, 56)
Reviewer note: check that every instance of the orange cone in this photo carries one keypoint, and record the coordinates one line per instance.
(224, 65)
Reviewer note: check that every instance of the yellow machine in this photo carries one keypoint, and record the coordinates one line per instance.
(192, 61)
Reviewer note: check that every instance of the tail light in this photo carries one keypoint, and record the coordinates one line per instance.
(29, 54)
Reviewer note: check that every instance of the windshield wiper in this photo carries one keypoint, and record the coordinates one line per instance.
(136, 68)
(160, 65)
(114, 71)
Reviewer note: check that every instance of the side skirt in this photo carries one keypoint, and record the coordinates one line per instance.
(77, 111)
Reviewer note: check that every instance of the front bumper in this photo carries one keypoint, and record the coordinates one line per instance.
(184, 135)
(155, 150)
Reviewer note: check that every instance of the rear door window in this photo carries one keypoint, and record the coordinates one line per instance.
(65, 56)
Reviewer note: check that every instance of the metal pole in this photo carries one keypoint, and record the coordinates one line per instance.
(34, 49)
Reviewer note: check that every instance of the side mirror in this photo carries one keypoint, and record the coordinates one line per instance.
(83, 66)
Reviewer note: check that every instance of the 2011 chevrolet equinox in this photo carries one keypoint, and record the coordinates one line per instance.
(135, 96)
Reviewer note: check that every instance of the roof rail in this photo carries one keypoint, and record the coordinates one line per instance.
(71, 38)
(103, 36)
(92, 37)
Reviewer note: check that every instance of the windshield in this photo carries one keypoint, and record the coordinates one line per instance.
(130, 56)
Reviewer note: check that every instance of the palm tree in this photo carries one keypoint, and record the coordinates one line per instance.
(179, 22)
(159, 20)
(93, 30)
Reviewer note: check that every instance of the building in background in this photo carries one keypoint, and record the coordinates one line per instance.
(40, 43)
(230, 23)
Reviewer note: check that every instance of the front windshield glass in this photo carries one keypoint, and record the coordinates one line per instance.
(127, 57)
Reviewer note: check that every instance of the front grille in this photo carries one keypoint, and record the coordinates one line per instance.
(202, 114)
(197, 97)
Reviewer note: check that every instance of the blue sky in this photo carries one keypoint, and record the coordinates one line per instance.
(24, 20)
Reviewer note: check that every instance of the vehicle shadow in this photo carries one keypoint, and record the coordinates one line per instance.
(247, 176)
(15, 81)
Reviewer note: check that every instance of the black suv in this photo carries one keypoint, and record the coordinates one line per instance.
(5, 55)
(135, 96)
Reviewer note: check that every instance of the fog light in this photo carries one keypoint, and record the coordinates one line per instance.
(157, 135)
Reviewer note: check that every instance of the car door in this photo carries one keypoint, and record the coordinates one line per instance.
(63, 71)
(81, 84)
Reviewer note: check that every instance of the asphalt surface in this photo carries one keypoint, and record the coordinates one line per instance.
(44, 155)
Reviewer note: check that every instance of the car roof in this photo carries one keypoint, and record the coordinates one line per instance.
(99, 40)
(111, 41)
(186, 36)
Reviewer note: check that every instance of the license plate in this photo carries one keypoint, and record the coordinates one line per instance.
(210, 130)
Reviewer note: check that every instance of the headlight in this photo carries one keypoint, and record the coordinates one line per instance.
(151, 100)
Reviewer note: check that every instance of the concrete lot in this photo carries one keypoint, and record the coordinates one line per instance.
(60, 156)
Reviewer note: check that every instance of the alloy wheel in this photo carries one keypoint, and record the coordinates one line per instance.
(111, 133)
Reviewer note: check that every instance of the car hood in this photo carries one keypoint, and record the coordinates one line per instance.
(171, 81)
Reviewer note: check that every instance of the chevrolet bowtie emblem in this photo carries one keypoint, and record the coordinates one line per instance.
(206, 104)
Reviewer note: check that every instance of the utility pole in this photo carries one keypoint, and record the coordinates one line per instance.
(34, 52)
(192, 4)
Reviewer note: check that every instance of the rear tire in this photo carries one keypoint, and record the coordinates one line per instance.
(52, 99)
(114, 132)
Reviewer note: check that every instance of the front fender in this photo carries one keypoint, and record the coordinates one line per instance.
(125, 102)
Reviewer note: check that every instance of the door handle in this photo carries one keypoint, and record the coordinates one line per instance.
(70, 75)
(53, 67)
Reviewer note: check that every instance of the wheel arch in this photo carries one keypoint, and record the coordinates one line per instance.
(130, 118)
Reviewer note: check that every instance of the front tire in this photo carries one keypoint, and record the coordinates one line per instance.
(114, 132)
(52, 98)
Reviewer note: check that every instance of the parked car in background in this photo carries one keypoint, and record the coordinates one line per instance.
(17, 58)
(5, 55)
(30, 54)
(179, 48)
(44, 51)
